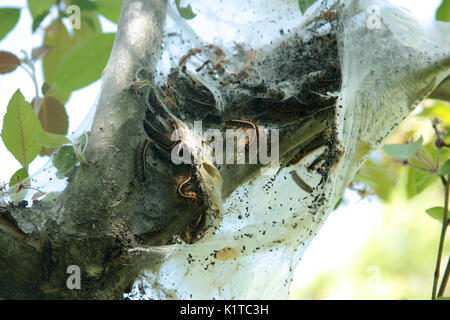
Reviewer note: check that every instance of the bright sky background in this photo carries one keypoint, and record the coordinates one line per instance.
(335, 244)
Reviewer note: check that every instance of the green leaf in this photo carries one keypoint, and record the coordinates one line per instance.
(64, 161)
(443, 12)
(83, 4)
(8, 20)
(90, 25)
(436, 213)
(58, 93)
(443, 298)
(340, 201)
(418, 181)
(366, 179)
(110, 9)
(445, 169)
(20, 124)
(185, 12)
(403, 151)
(305, 4)
(17, 191)
(84, 63)
(440, 109)
(50, 140)
(18, 176)
(60, 42)
(37, 21)
(45, 87)
(39, 9)
(381, 178)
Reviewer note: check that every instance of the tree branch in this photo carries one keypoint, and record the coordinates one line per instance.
(442, 92)
(40, 242)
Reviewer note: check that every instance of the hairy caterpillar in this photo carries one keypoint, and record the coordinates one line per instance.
(251, 140)
(299, 181)
(141, 160)
(183, 189)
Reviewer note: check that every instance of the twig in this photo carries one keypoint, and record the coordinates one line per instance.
(32, 75)
(441, 240)
(424, 160)
(444, 278)
(412, 165)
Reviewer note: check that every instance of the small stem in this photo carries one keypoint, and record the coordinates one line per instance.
(444, 278)
(412, 165)
(441, 240)
(32, 75)
(424, 160)
(36, 89)
(26, 70)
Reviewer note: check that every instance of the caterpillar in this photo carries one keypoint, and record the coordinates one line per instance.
(141, 160)
(255, 132)
(191, 233)
(183, 189)
(163, 140)
(328, 15)
(184, 59)
(303, 152)
(299, 181)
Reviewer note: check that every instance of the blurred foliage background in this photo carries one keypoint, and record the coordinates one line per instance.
(399, 259)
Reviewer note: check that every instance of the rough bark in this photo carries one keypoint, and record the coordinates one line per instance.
(84, 227)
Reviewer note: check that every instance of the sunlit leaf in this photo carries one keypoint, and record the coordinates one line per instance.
(436, 213)
(84, 63)
(185, 12)
(37, 21)
(445, 169)
(366, 179)
(83, 4)
(18, 176)
(59, 41)
(443, 12)
(45, 87)
(403, 151)
(418, 181)
(50, 140)
(8, 20)
(90, 25)
(110, 9)
(8, 62)
(39, 9)
(58, 93)
(20, 124)
(381, 178)
(18, 185)
(440, 110)
(64, 161)
(305, 4)
(337, 205)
